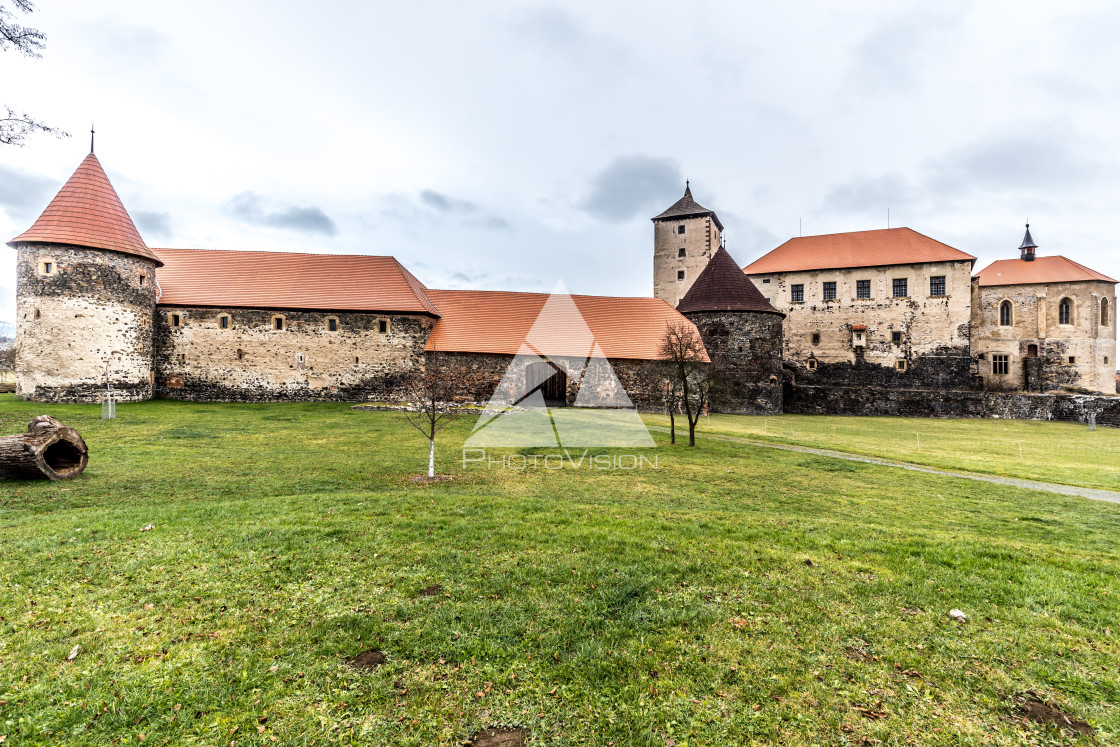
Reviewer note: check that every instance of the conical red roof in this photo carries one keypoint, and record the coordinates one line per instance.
(87, 212)
(722, 286)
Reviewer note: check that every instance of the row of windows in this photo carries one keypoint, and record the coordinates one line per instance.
(1001, 362)
(1065, 312)
(48, 266)
(278, 322)
(899, 289)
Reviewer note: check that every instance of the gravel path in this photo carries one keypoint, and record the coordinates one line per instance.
(1049, 487)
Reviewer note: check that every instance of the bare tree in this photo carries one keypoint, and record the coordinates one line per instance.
(432, 389)
(693, 380)
(7, 353)
(15, 127)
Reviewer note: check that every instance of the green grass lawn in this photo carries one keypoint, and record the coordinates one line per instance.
(1066, 453)
(734, 595)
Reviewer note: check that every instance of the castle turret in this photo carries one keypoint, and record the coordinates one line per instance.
(684, 238)
(742, 333)
(1026, 249)
(85, 297)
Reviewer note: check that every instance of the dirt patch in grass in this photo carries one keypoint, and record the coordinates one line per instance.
(425, 480)
(498, 738)
(371, 659)
(856, 654)
(432, 591)
(1037, 711)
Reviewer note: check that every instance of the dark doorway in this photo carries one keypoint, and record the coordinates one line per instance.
(552, 382)
(1032, 351)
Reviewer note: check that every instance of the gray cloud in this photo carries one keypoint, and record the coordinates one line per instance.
(24, 193)
(151, 224)
(633, 185)
(434, 206)
(252, 208)
(893, 56)
(869, 192)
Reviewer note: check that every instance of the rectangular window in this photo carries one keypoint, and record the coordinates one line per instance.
(863, 289)
(900, 365)
(680, 229)
(680, 274)
(829, 290)
(797, 293)
(816, 338)
(278, 323)
(898, 287)
(766, 281)
(176, 320)
(896, 337)
(332, 325)
(937, 285)
(182, 357)
(223, 322)
(1001, 365)
(143, 280)
(382, 326)
(681, 252)
(1072, 359)
(811, 364)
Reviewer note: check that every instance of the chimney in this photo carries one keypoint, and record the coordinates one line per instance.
(1026, 250)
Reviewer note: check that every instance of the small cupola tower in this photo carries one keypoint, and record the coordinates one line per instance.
(685, 237)
(86, 294)
(1026, 250)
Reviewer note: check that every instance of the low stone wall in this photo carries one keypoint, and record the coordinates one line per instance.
(922, 403)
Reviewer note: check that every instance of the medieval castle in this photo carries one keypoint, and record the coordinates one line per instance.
(873, 321)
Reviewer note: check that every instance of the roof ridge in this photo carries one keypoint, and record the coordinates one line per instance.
(543, 293)
(270, 251)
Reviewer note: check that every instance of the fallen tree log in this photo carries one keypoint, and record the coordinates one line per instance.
(49, 449)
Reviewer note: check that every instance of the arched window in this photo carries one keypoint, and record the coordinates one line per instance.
(1005, 314)
(1104, 312)
(1065, 309)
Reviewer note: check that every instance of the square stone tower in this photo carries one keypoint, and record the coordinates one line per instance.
(684, 239)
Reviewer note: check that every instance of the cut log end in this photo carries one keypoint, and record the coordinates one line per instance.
(48, 450)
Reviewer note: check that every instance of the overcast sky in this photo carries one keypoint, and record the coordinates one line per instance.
(509, 145)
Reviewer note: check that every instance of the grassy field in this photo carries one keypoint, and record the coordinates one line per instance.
(734, 595)
(1066, 453)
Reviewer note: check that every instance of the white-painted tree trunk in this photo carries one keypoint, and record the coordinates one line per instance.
(431, 457)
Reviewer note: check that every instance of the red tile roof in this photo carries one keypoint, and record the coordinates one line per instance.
(887, 246)
(722, 286)
(87, 212)
(279, 280)
(500, 322)
(1055, 269)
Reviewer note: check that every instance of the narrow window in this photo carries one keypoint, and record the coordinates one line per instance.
(240, 354)
(896, 337)
(863, 289)
(829, 290)
(38, 313)
(356, 361)
(1072, 359)
(143, 280)
(1005, 314)
(900, 364)
(680, 274)
(681, 252)
(278, 323)
(223, 322)
(182, 357)
(1001, 365)
(46, 267)
(383, 326)
(1064, 309)
(937, 285)
(1106, 360)
(680, 228)
(766, 281)
(797, 293)
(332, 325)
(1032, 351)
(1104, 313)
(898, 286)
(176, 320)
(811, 364)
(816, 338)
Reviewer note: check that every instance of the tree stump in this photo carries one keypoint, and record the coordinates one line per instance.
(49, 450)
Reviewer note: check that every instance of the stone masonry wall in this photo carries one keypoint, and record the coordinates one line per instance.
(933, 330)
(830, 400)
(748, 346)
(1089, 339)
(91, 315)
(251, 361)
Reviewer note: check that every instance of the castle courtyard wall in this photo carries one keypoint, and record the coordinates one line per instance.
(252, 361)
(747, 345)
(85, 325)
(934, 330)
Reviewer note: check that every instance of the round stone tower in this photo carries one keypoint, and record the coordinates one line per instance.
(742, 333)
(86, 293)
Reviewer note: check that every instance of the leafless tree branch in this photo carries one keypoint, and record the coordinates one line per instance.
(16, 128)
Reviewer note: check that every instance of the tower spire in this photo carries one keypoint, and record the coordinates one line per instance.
(91, 138)
(1026, 249)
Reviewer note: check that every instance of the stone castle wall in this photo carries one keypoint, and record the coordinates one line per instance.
(252, 361)
(747, 345)
(1035, 322)
(699, 241)
(88, 321)
(932, 345)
